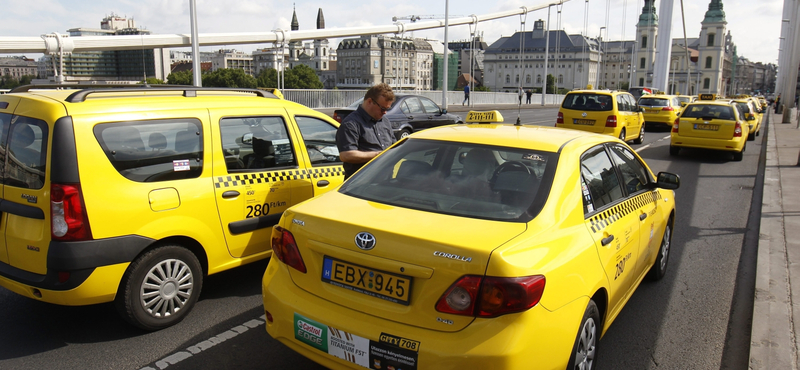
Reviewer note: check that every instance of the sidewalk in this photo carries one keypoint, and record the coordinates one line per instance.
(773, 341)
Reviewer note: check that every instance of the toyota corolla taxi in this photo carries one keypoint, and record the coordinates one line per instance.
(711, 124)
(471, 247)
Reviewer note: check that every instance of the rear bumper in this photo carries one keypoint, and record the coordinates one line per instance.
(505, 342)
(78, 273)
(733, 145)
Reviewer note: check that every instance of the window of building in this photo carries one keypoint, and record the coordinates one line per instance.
(642, 63)
(561, 79)
(644, 42)
(641, 82)
(710, 39)
(538, 79)
(508, 79)
(706, 83)
(528, 79)
(708, 62)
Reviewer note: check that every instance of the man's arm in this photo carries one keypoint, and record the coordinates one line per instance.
(357, 156)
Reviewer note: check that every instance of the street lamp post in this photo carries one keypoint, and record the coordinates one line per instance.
(603, 81)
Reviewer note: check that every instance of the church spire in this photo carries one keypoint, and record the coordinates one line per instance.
(715, 14)
(295, 24)
(648, 16)
(320, 20)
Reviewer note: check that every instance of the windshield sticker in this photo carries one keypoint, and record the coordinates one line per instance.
(533, 157)
(181, 165)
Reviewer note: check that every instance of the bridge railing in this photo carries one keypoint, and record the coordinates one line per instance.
(342, 98)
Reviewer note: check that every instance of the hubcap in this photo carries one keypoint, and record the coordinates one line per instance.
(587, 346)
(166, 288)
(404, 134)
(665, 248)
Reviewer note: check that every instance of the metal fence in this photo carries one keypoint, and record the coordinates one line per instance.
(341, 98)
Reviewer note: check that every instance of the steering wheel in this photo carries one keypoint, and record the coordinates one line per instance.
(509, 166)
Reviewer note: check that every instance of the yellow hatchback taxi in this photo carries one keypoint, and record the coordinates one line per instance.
(709, 123)
(490, 246)
(134, 195)
(660, 110)
(607, 112)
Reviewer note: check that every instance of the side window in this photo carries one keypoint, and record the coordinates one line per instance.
(414, 106)
(634, 174)
(27, 151)
(151, 151)
(600, 179)
(320, 139)
(631, 102)
(430, 106)
(256, 143)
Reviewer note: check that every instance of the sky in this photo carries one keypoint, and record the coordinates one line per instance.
(754, 25)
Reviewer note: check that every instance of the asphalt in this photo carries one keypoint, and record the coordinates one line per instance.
(773, 339)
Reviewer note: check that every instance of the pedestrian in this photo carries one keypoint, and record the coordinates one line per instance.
(519, 93)
(366, 132)
(528, 94)
(777, 103)
(466, 94)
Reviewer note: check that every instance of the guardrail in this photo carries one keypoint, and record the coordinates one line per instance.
(342, 98)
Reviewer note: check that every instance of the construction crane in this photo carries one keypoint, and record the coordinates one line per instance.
(414, 18)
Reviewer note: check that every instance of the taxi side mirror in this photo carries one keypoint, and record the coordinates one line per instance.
(668, 180)
(683, 104)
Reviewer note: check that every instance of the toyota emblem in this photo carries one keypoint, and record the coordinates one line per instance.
(365, 240)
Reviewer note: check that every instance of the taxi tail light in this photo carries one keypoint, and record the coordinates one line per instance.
(560, 119)
(611, 121)
(737, 131)
(285, 248)
(668, 109)
(69, 221)
(676, 124)
(491, 296)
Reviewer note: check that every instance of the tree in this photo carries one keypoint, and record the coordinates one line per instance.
(551, 84)
(152, 81)
(482, 88)
(302, 77)
(623, 86)
(9, 82)
(180, 78)
(229, 77)
(267, 78)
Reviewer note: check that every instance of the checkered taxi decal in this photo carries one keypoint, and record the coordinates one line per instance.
(275, 176)
(601, 220)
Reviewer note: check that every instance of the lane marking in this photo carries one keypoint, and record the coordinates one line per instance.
(648, 145)
(206, 344)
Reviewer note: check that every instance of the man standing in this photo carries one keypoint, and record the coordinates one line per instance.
(519, 93)
(466, 94)
(365, 133)
(528, 94)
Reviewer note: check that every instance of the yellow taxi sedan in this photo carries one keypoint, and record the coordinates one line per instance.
(711, 124)
(471, 247)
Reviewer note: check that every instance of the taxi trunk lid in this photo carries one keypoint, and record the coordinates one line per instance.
(707, 127)
(415, 257)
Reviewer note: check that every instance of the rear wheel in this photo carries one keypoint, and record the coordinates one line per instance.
(659, 268)
(622, 135)
(640, 139)
(751, 136)
(737, 156)
(584, 352)
(160, 287)
(674, 150)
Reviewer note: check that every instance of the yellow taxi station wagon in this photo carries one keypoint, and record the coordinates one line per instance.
(134, 195)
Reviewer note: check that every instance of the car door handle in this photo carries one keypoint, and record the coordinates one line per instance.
(605, 241)
(230, 194)
(322, 183)
(642, 216)
(410, 117)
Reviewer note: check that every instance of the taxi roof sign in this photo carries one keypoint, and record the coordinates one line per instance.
(708, 97)
(491, 116)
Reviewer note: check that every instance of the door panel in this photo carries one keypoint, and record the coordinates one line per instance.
(255, 169)
(320, 157)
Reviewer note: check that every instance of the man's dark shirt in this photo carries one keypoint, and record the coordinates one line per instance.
(359, 131)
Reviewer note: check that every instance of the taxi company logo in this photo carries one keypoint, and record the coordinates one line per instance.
(452, 256)
(365, 240)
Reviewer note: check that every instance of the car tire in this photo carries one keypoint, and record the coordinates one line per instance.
(584, 351)
(751, 136)
(738, 156)
(160, 287)
(674, 150)
(659, 268)
(640, 139)
(622, 134)
(403, 133)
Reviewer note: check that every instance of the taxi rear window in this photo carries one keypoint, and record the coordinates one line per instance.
(709, 111)
(653, 102)
(153, 150)
(588, 102)
(461, 179)
(25, 165)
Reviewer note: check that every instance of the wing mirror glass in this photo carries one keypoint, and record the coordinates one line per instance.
(668, 180)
